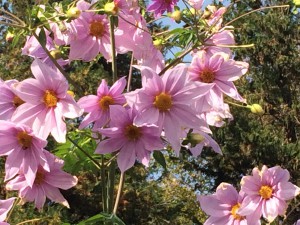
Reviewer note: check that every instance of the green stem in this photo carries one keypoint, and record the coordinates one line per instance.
(113, 48)
(33, 220)
(78, 88)
(120, 188)
(15, 17)
(110, 186)
(130, 73)
(103, 187)
(175, 61)
(12, 25)
(256, 10)
(12, 209)
(85, 152)
(235, 104)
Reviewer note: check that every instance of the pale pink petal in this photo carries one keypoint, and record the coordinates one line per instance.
(126, 157)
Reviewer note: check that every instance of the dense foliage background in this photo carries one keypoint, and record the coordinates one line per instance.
(166, 195)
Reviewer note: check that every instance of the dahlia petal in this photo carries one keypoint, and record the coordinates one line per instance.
(212, 206)
(69, 107)
(249, 205)
(13, 162)
(89, 103)
(60, 179)
(126, 157)
(118, 87)
(227, 193)
(229, 89)
(232, 70)
(287, 191)
(110, 145)
(55, 195)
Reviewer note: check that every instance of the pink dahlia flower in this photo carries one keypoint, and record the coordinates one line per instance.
(91, 36)
(23, 149)
(9, 101)
(219, 71)
(166, 99)
(160, 6)
(267, 191)
(223, 206)
(5, 206)
(131, 140)
(46, 184)
(47, 102)
(97, 106)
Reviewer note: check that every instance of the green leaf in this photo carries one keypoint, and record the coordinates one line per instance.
(42, 37)
(102, 217)
(160, 158)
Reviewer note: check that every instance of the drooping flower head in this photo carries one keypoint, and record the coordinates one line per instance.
(158, 7)
(9, 101)
(46, 183)
(166, 99)
(131, 140)
(34, 49)
(223, 206)
(267, 191)
(5, 206)
(47, 102)
(97, 106)
(23, 150)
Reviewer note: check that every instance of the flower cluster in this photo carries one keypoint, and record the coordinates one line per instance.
(175, 106)
(264, 194)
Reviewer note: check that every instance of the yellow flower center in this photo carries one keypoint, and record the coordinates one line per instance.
(265, 192)
(105, 102)
(17, 101)
(234, 209)
(50, 98)
(207, 76)
(39, 178)
(163, 101)
(97, 29)
(24, 139)
(132, 132)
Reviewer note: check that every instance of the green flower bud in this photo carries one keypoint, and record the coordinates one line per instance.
(176, 15)
(158, 43)
(195, 139)
(73, 13)
(256, 109)
(56, 54)
(111, 8)
(9, 37)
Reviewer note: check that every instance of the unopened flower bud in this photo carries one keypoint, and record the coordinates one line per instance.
(71, 93)
(195, 139)
(176, 15)
(56, 54)
(73, 13)
(193, 11)
(158, 43)
(9, 37)
(256, 109)
(206, 14)
(111, 8)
